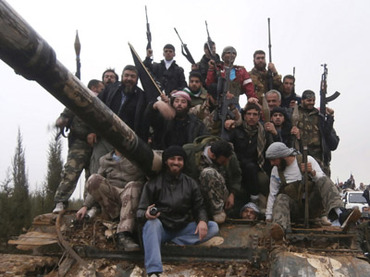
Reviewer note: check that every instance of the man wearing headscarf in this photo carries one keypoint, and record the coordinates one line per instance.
(171, 122)
(287, 192)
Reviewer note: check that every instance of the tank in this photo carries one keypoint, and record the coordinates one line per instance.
(58, 245)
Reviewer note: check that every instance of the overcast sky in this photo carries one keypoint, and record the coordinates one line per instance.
(304, 35)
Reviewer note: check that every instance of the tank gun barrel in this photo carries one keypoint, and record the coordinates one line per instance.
(31, 56)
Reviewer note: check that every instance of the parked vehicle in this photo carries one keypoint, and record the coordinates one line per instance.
(355, 199)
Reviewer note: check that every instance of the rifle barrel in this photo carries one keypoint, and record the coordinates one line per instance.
(268, 22)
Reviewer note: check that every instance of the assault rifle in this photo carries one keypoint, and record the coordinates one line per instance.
(184, 50)
(323, 90)
(148, 33)
(209, 46)
(270, 77)
(223, 103)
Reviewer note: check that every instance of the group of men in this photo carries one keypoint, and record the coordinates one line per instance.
(219, 159)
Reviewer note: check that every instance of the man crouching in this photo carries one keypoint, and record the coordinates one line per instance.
(166, 203)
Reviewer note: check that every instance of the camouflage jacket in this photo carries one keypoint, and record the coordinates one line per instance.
(318, 133)
(195, 163)
(260, 82)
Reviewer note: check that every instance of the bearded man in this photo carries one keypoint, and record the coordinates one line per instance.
(260, 77)
(126, 100)
(286, 199)
(171, 123)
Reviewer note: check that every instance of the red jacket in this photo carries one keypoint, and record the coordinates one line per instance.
(241, 76)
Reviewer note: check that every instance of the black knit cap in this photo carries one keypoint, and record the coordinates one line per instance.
(169, 46)
(279, 110)
(173, 150)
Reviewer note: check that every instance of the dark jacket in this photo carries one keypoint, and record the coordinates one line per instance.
(193, 167)
(132, 110)
(245, 148)
(175, 131)
(179, 200)
(170, 79)
(203, 67)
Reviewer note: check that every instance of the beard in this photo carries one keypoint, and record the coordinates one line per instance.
(260, 66)
(283, 164)
(128, 87)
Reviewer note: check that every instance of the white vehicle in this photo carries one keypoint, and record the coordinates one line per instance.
(353, 199)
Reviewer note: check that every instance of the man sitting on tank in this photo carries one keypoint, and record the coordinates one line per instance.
(172, 206)
(286, 197)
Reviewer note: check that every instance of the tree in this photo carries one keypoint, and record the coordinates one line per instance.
(53, 177)
(5, 219)
(20, 206)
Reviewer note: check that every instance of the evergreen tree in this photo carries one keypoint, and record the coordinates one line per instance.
(53, 177)
(5, 219)
(20, 203)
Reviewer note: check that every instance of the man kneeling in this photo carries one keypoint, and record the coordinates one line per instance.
(167, 203)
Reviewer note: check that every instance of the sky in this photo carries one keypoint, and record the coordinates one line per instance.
(304, 35)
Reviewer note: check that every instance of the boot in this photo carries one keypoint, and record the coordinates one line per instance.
(126, 243)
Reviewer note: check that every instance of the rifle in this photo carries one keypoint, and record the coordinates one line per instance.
(270, 77)
(305, 183)
(323, 90)
(209, 45)
(184, 50)
(223, 104)
(148, 33)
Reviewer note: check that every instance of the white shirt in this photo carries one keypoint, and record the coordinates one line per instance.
(292, 173)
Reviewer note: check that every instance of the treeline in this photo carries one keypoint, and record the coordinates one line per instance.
(18, 206)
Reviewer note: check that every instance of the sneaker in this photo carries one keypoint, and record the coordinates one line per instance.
(154, 274)
(277, 232)
(58, 207)
(348, 216)
(324, 221)
(91, 213)
(220, 217)
(126, 243)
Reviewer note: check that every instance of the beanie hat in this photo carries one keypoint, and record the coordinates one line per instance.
(279, 150)
(173, 150)
(228, 49)
(308, 94)
(169, 46)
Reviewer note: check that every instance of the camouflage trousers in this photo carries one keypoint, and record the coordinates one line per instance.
(116, 202)
(214, 190)
(78, 159)
(325, 197)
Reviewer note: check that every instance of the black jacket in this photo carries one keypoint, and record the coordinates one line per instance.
(179, 200)
(175, 131)
(170, 79)
(132, 110)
